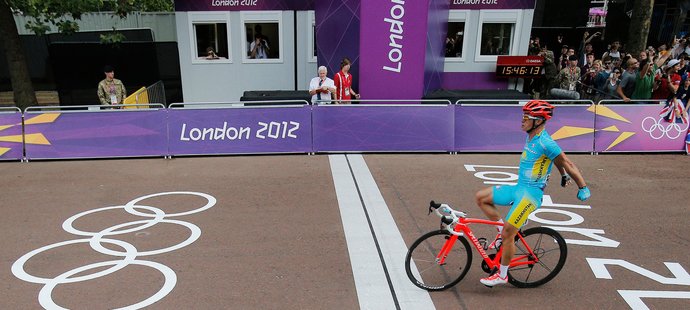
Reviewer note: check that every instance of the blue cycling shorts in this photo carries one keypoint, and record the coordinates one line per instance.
(522, 199)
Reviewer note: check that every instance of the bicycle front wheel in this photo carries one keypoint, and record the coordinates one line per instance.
(423, 269)
(550, 252)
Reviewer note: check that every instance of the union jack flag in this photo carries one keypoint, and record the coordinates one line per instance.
(674, 111)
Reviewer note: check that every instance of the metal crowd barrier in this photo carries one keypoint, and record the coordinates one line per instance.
(11, 134)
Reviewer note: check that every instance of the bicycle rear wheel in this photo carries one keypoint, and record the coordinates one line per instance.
(551, 250)
(426, 273)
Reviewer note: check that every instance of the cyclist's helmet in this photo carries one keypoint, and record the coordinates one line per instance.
(538, 108)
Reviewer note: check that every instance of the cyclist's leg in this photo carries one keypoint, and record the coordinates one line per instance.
(489, 197)
(526, 201)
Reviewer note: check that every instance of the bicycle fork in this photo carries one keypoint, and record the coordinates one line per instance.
(447, 246)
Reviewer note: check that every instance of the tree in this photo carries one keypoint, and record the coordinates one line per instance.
(639, 26)
(61, 14)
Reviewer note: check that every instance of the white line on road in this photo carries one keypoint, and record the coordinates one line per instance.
(372, 285)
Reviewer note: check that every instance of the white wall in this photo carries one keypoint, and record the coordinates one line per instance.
(306, 63)
(226, 80)
(471, 62)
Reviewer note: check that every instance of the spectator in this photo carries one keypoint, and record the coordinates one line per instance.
(684, 92)
(259, 48)
(111, 91)
(604, 74)
(568, 77)
(613, 51)
(589, 60)
(611, 85)
(450, 46)
(668, 83)
(321, 87)
(550, 71)
(210, 53)
(627, 85)
(644, 81)
(586, 47)
(589, 91)
(683, 71)
(680, 46)
(563, 58)
(343, 83)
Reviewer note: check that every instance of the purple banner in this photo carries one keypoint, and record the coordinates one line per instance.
(11, 147)
(243, 5)
(122, 133)
(392, 49)
(240, 130)
(338, 19)
(382, 128)
(491, 4)
(498, 128)
(637, 128)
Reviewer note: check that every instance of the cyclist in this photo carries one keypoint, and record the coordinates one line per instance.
(538, 155)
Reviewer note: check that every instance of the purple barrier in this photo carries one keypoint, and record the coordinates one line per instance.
(497, 128)
(120, 133)
(11, 147)
(375, 128)
(636, 128)
(240, 130)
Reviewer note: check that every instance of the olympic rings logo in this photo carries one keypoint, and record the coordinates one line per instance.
(657, 130)
(128, 255)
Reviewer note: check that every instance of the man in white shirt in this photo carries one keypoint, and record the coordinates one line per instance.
(321, 87)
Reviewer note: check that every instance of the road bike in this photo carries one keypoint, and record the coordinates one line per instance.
(440, 259)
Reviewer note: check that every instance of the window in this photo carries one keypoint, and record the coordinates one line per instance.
(210, 38)
(499, 32)
(262, 36)
(455, 39)
(312, 19)
(496, 38)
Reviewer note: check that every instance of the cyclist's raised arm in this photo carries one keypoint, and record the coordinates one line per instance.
(563, 163)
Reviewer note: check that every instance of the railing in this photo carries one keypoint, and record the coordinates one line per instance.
(216, 128)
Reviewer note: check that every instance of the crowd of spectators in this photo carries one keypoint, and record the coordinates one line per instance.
(581, 72)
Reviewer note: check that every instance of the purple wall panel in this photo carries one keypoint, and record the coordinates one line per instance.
(491, 4)
(97, 134)
(240, 131)
(473, 81)
(243, 5)
(11, 147)
(637, 128)
(337, 36)
(498, 128)
(436, 32)
(383, 128)
(392, 49)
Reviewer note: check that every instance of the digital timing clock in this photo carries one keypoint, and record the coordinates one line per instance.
(519, 66)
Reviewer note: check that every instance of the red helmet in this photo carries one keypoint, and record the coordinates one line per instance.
(538, 108)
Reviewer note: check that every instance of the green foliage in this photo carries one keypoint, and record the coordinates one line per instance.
(63, 13)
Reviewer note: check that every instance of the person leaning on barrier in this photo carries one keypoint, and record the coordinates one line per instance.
(321, 87)
(111, 91)
(627, 85)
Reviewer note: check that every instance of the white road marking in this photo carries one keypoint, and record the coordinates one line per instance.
(372, 286)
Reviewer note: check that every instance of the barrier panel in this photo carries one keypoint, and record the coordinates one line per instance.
(497, 127)
(383, 128)
(11, 138)
(203, 129)
(636, 128)
(59, 132)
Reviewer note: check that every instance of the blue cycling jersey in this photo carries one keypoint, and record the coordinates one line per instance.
(537, 159)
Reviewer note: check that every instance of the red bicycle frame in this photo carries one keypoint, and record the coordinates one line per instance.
(463, 227)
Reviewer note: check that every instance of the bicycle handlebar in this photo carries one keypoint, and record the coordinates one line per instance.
(449, 217)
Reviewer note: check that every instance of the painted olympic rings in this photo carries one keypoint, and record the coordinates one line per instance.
(128, 255)
(656, 129)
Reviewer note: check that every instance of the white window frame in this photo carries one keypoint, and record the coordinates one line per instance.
(459, 16)
(261, 17)
(498, 16)
(196, 18)
(311, 25)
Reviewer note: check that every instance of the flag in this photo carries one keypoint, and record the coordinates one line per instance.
(674, 111)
